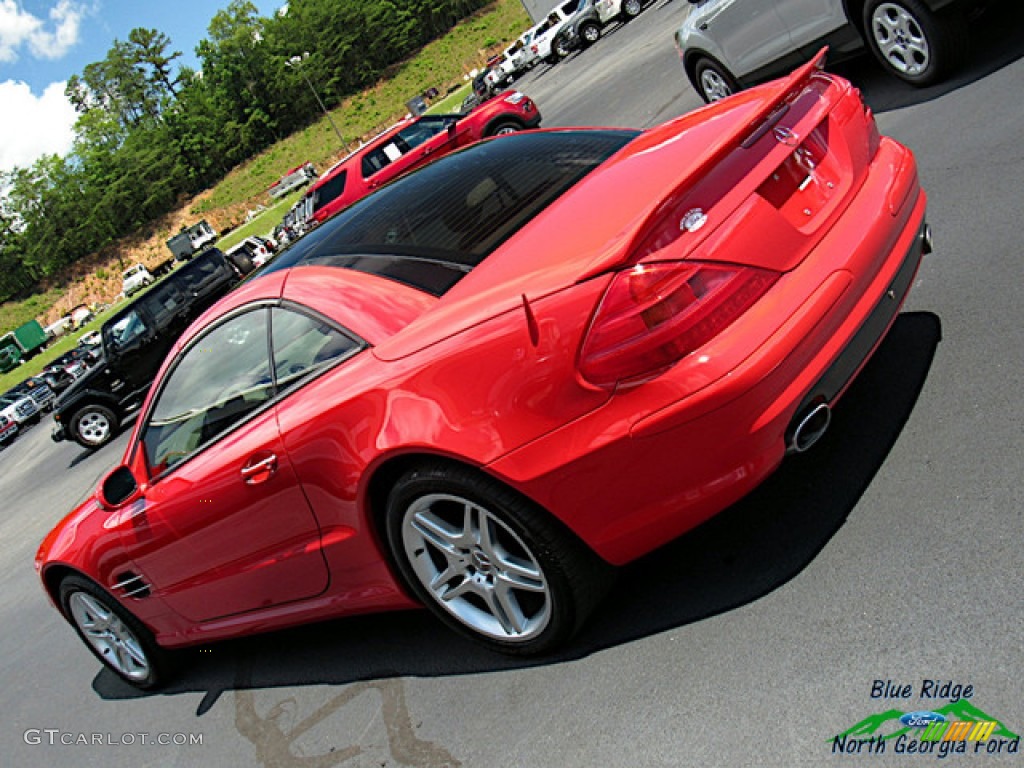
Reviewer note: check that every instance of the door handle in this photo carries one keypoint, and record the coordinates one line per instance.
(259, 469)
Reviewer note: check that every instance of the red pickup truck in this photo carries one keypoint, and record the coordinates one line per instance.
(412, 143)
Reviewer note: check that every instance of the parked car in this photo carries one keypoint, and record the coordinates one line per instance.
(8, 430)
(38, 390)
(726, 45)
(57, 378)
(89, 339)
(412, 143)
(548, 30)
(135, 341)
(585, 25)
(135, 279)
(523, 56)
(20, 409)
(252, 252)
(475, 389)
(75, 362)
(81, 315)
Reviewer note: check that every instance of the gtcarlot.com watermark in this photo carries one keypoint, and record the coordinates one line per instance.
(55, 736)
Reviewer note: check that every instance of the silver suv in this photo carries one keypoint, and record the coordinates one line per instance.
(726, 45)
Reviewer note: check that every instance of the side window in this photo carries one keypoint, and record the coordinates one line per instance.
(329, 190)
(422, 131)
(302, 344)
(222, 378)
(164, 302)
(126, 330)
(196, 277)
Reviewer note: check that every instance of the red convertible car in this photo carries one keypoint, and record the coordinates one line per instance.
(412, 143)
(483, 386)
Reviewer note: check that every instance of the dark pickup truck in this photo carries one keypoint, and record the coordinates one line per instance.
(135, 342)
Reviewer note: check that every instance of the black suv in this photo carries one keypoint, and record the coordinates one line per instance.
(135, 342)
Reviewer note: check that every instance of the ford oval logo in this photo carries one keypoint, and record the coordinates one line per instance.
(921, 719)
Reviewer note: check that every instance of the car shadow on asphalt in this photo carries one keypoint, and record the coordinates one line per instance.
(996, 40)
(739, 556)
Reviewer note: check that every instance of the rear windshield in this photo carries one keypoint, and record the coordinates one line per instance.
(449, 216)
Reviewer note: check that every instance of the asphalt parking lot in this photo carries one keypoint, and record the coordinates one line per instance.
(887, 561)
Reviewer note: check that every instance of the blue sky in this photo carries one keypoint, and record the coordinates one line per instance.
(44, 42)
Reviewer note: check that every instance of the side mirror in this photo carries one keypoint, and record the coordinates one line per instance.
(118, 487)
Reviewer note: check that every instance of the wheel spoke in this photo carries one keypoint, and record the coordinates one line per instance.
(505, 608)
(520, 575)
(133, 652)
(436, 533)
(445, 576)
(466, 586)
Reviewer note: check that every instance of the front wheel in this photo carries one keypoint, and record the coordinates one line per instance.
(114, 636)
(488, 563)
(713, 81)
(93, 426)
(504, 128)
(912, 42)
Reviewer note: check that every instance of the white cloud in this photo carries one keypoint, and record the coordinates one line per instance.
(19, 28)
(43, 124)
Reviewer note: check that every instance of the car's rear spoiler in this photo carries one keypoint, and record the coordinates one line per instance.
(701, 150)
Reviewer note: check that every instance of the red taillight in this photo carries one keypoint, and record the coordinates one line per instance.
(653, 315)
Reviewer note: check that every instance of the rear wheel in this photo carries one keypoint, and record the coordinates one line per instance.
(631, 8)
(912, 42)
(590, 32)
(488, 563)
(713, 81)
(114, 636)
(93, 426)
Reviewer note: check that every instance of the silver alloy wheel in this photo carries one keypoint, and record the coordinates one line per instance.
(714, 85)
(116, 644)
(591, 33)
(476, 567)
(506, 129)
(632, 8)
(900, 39)
(93, 427)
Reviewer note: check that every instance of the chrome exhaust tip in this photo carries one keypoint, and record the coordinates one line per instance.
(926, 239)
(810, 428)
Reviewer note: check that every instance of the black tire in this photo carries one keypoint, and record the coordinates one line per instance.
(504, 127)
(713, 81)
(119, 640)
(913, 43)
(93, 426)
(589, 32)
(631, 8)
(514, 579)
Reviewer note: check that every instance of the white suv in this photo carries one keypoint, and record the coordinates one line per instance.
(725, 45)
(136, 278)
(548, 30)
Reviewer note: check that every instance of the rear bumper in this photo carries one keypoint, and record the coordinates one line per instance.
(658, 460)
